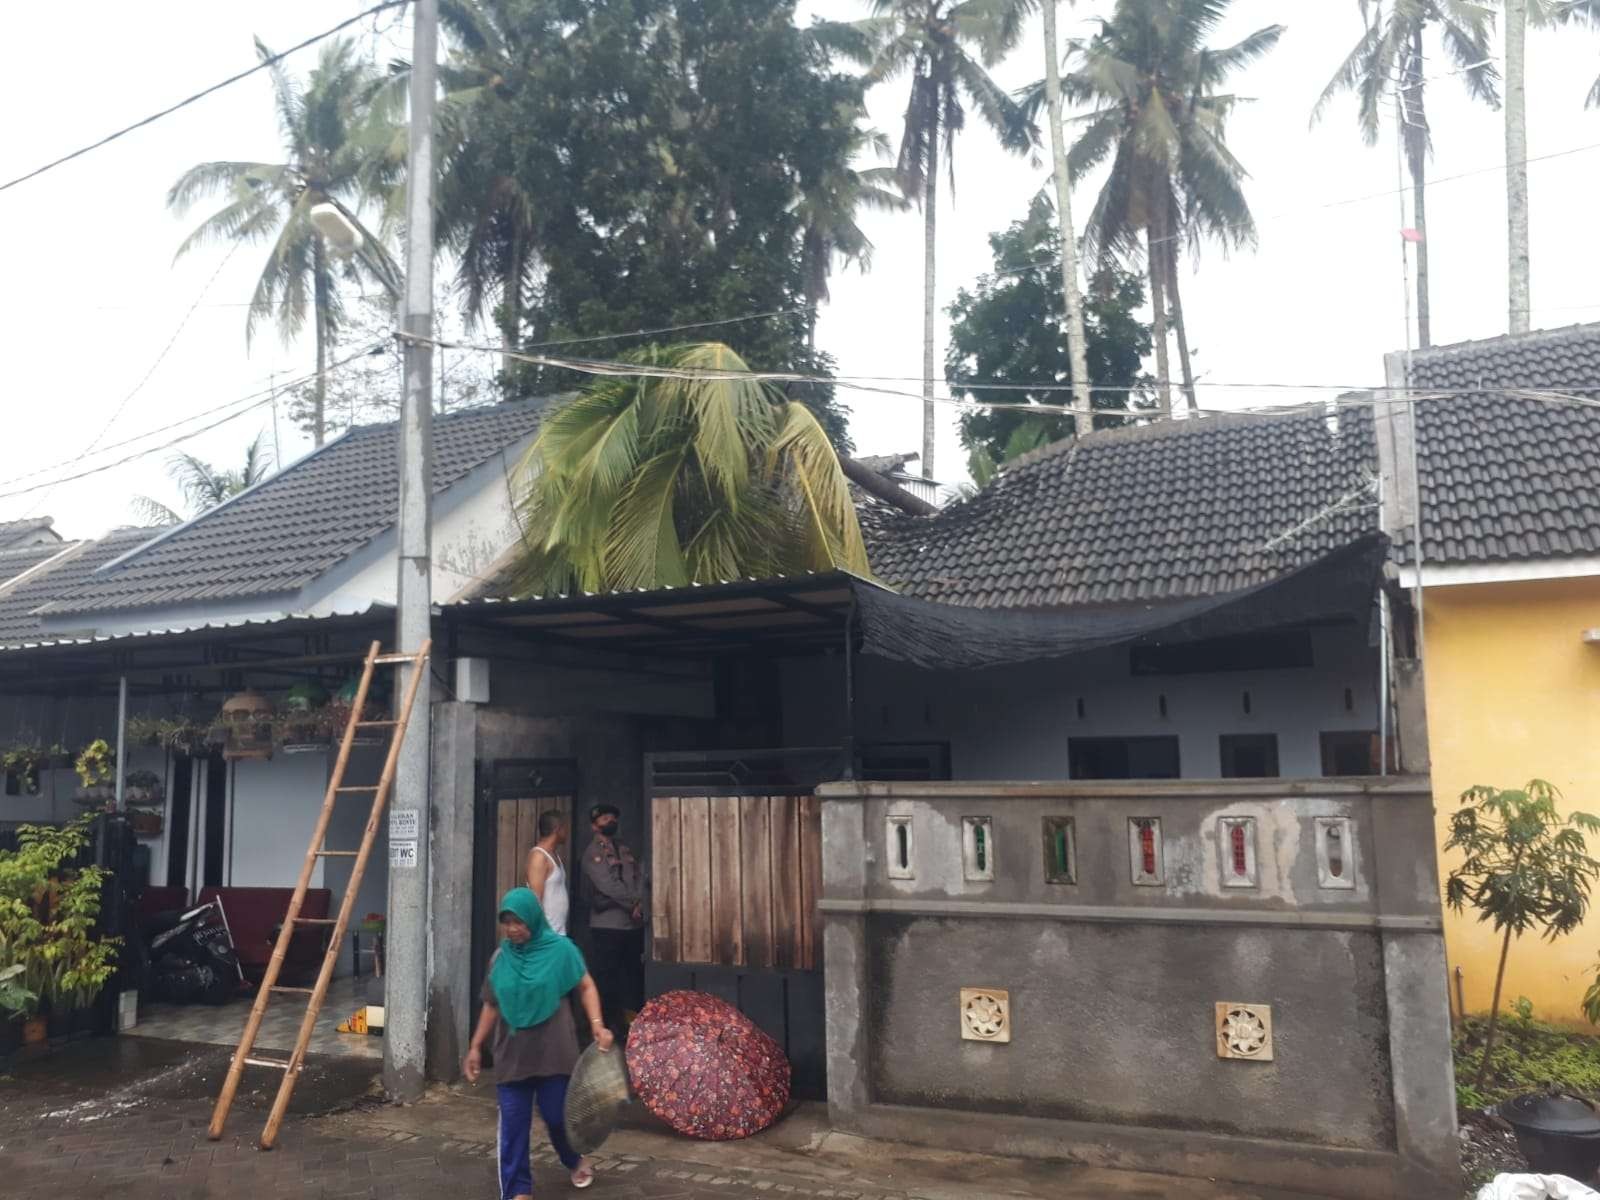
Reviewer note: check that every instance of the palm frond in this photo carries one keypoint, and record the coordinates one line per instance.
(149, 511)
(642, 548)
(802, 454)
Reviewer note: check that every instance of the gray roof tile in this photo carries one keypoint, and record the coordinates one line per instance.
(280, 535)
(1156, 513)
(20, 603)
(1508, 476)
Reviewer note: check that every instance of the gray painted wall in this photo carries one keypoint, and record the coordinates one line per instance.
(1014, 722)
(1113, 984)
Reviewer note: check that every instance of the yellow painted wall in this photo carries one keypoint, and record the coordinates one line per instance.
(1513, 694)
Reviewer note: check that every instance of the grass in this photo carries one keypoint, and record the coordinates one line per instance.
(1529, 1056)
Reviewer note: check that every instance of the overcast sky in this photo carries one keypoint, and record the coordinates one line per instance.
(92, 296)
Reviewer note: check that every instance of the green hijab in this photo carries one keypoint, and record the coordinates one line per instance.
(532, 979)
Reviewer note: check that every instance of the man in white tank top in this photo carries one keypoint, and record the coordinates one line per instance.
(547, 871)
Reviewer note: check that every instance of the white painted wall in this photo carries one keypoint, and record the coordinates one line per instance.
(1014, 723)
(274, 806)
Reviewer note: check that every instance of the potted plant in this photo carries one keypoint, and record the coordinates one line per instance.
(248, 718)
(23, 763)
(49, 914)
(303, 723)
(143, 788)
(18, 1006)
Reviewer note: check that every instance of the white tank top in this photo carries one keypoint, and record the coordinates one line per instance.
(555, 900)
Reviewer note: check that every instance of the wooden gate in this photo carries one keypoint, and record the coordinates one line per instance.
(513, 794)
(735, 849)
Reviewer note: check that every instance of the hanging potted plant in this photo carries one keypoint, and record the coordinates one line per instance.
(303, 725)
(23, 763)
(94, 767)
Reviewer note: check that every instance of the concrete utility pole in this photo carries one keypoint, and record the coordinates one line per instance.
(406, 994)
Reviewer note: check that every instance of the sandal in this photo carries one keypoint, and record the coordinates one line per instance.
(582, 1174)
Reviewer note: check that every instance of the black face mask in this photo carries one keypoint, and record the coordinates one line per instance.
(608, 829)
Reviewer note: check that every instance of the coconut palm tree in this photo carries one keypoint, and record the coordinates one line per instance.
(337, 151)
(1156, 112)
(946, 46)
(829, 211)
(1386, 66)
(204, 486)
(1077, 348)
(485, 215)
(686, 473)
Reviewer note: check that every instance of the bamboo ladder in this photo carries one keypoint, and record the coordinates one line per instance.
(293, 921)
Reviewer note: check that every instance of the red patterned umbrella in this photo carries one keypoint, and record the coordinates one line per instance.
(704, 1067)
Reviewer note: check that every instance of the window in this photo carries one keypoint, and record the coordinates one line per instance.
(1123, 758)
(1249, 755)
(1255, 652)
(1350, 752)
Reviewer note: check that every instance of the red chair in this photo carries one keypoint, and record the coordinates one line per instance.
(254, 915)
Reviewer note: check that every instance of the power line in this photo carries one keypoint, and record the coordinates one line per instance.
(240, 406)
(270, 61)
(1347, 201)
(612, 337)
(653, 371)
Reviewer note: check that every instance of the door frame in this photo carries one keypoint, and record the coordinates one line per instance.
(500, 781)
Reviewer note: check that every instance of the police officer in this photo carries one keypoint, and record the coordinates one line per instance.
(614, 886)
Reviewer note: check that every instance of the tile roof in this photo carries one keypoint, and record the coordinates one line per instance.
(15, 531)
(19, 603)
(281, 534)
(1506, 476)
(1155, 513)
(20, 559)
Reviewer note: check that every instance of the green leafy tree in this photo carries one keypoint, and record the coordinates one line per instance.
(204, 486)
(339, 150)
(670, 477)
(1386, 66)
(946, 48)
(1524, 867)
(1158, 115)
(636, 165)
(1010, 329)
(49, 913)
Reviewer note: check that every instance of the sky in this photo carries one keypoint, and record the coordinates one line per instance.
(108, 339)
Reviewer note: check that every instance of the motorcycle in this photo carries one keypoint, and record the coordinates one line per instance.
(190, 956)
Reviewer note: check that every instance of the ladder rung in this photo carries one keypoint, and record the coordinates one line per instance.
(389, 660)
(358, 787)
(293, 991)
(338, 853)
(375, 724)
(315, 921)
(267, 1062)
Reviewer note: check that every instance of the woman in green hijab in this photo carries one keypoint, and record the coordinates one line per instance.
(535, 1044)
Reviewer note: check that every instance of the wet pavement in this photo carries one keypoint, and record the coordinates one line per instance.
(126, 1118)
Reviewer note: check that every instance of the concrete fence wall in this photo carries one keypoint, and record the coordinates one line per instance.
(1071, 961)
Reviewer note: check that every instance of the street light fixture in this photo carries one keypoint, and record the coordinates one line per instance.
(337, 228)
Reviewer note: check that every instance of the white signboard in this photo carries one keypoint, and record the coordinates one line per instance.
(403, 824)
(403, 854)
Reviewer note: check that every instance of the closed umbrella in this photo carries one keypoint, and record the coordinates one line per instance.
(704, 1067)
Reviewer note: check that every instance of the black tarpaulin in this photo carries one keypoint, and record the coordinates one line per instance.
(1341, 585)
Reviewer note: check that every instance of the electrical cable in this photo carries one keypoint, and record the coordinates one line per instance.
(270, 61)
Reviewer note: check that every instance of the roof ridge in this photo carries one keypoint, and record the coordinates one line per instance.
(1532, 337)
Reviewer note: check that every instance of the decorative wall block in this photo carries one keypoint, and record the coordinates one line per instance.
(1144, 851)
(900, 847)
(1060, 850)
(1236, 851)
(1244, 1031)
(977, 849)
(985, 1015)
(1336, 864)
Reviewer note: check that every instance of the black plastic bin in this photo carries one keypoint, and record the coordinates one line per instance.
(1558, 1135)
